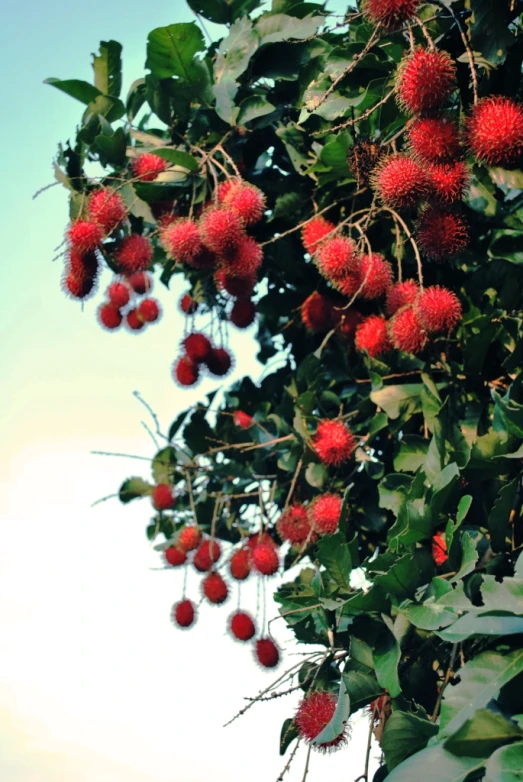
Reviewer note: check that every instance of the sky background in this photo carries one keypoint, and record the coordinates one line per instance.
(95, 683)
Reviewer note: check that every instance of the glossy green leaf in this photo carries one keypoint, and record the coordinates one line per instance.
(81, 90)
(386, 656)
(481, 735)
(107, 66)
(339, 719)
(404, 735)
(133, 488)
(434, 764)
(506, 764)
(171, 51)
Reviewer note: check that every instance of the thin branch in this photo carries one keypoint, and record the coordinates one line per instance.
(448, 677)
(288, 764)
(103, 499)
(467, 46)
(365, 115)
(293, 484)
(306, 769)
(409, 236)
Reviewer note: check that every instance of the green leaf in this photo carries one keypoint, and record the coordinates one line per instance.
(434, 764)
(505, 765)
(233, 58)
(107, 68)
(133, 488)
(405, 734)
(393, 490)
(474, 624)
(506, 595)
(171, 51)
(287, 735)
(386, 655)
(81, 90)
(469, 556)
(488, 29)
(511, 413)
(402, 576)
(334, 555)
(165, 464)
(217, 11)
(177, 157)
(499, 516)
(112, 149)
(339, 719)
(273, 28)
(362, 687)
(411, 453)
(316, 475)
(481, 735)
(399, 400)
(254, 107)
(198, 433)
(442, 488)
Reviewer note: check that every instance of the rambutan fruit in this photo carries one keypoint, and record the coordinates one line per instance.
(134, 254)
(372, 336)
(187, 304)
(242, 420)
(133, 321)
(267, 653)
(314, 713)
(449, 181)
(400, 181)
(314, 232)
(240, 564)
(391, 14)
(78, 287)
(233, 285)
(324, 513)
(184, 613)
(109, 316)
(243, 313)
(197, 347)
(148, 310)
(118, 294)
(348, 322)
(215, 589)
(495, 131)
(439, 549)
(205, 259)
(257, 538)
(375, 275)
(140, 282)
(294, 525)
(400, 294)
(185, 371)
(162, 497)
(245, 259)
(336, 257)
(247, 200)
(334, 442)
(107, 208)
(147, 166)
(175, 556)
(189, 538)
(438, 309)
(84, 236)
(224, 189)
(406, 332)
(441, 233)
(317, 313)
(426, 78)
(219, 362)
(242, 626)
(83, 266)
(350, 283)
(265, 559)
(207, 554)
(181, 240)
(222, 229)
(434, 139)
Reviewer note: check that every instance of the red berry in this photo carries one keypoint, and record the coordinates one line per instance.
(245, 259)
(441, 234)
(184, 613)
(182, 241)
(434, 139)
(185, 371)
(314, 713)
(146, 167)
(214, 588)
(406, 332)
(426, 78)
(438, 309)
(224, 188)
(140, 282)
(439, 549)
(375, 276)
(372, 336)
(495, 131)
(242, 626)
(205, 259)
(336, 257)
(84, 236)
(257, 538)
(391, 14)
(400, 294)
(294, 525)
(240, 564)
(348, 322)
(219, 362)
(107, 208)
(242, 420)
(118, 294)
(78, 287)
(188, 305)
(222, 229)
(400, 181)
(267, 653)
(174, 556)
(134, 254)
(314, 232)
(162, 497)
(83, 266)
(265, 559)
(109, 316)
(350, 283)
(243, 313)
(189, 538)
(235, 286)
(248, 201)
(334, 442)
(208, 553)
(149, 310)
(317, 312)
(197, 346)
(324, 514)
(449, 181)
(133, 321)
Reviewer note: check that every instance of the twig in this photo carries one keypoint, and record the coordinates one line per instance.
(306, 769)
(409, 236)
(365, 115)
(103, 499)
(426, 33)
(288, 764)
(313, 217)
(151, 412)
(191, 499)
(448, 676)
(124, 455)
(466, 44)
(293, 484)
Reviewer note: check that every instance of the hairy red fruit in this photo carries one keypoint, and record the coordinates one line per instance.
(243, 313)
(83, 266)
(222, 229)
(224, 188)
(314, 232)
(242, 626)
(78, 287)
(219, 362)
(438, 309)
(185, 371)
(140, 282)
(267, 653)
(439, 549)
(265, 559)
(182, 240)
(189, 538)
(240, 564)
(324, 513)
(392, 14)
(187, 304)
(245, 259)
(109, 316)
(406, 331)
(294, 525)
(149, 310)
(441, 234)
(134, 254)
(246, 200)
(197, 347)
(434, 139)
(336, 257)
(184, 613)
(208, 553)
(348, 322)
(242, 420)
(162, 497)
(372, 336)
(215, 589)
(314, 713)
(350, 283)
(334, 442)
(257, 538)
(205, 259)
(375, 276)
(107, 208)
(147, 166)
(495, 131)
(426, 78)
(400, 294)
(317, 313)
(449, 181)
(175, 556)
(118, 294)
(84, 236)
(233, 285)
(400, 181)
(133, 322)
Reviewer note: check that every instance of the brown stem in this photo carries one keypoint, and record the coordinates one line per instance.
(466, 44)
(365, 115)
(448, 677)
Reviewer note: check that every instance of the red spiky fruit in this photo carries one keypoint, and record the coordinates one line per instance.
(197, 347)
(205, 259)
(495, 131)
(184, 613)
(434, 139)
(315, 232)
(324, 513)
(215, 589)
(406, 332)
(242, 420)
(400, 294)
(224, 188)
(109, 316)
(222, 229)
(441, 234)
(426, 78)
(350, 283)
(337, 257)
(449, 181)
(400, 181)
(372, 336)
(219, 362)
(133, 321)
(257, 538)
(334, 442)
(149, 310)
(439, 549)
(107, 208)
(134, 254)
(245, 259)
(242, 626)
(248, 201)
(84, 236)
(187, 304)
(175, 556)
(147, 166)
(118, 294)
(348, 322)
(294, 525)
(140, 282)
(240, 564)
(243, 313)
(162, 497)
(185, 371)
(438, 309)
(314, 713)
(267, 653)
(391, 14)
(317, 313)
(181, 240)
(375, 276)
(207, 554)
(265, 559)
(78, 287)
(83, 266)
(234, 285)
(189, 538)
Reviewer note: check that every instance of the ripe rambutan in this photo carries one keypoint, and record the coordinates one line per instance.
(240, 564)
(391, 14)
(189, 538)
(495, 131)
(184, 613)
(314, 232)
(324, 513)
(205, 259)
(149, 310)
(400, 181)
(118, 294)
(233, 285)
(248, 201)
(294, 525)
(441, 234)
(109, 316)
(426, 78)
(401, 294)
(267, 653)
(147, 166)
(78, 287)
(439, 549)
(187, 304)
(375, 275)
(243, 313)
(348, 322)
(175, 556)
(336, 257)
(84, 236)
(222, 229)
(162, 497)
(372, 336)
(350, 283)
(219, 362)
(265, 559)
(334, 442)
(133, 322)
(257, 538)
(224, 188)
(314, 713)
(245, 259)
(438, 309)
(83, 266)
(242, 626)
(197, 347)
(215, 589)
(406, 332)
(140, 282)
(134, 254)
(317, 313)
(107, 208)
(242, 420)
(208, 553)
(185, 371)
(449, 181)
(434, 139)
(181, 240)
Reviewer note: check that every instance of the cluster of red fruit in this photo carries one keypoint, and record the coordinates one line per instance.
(122, 305)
